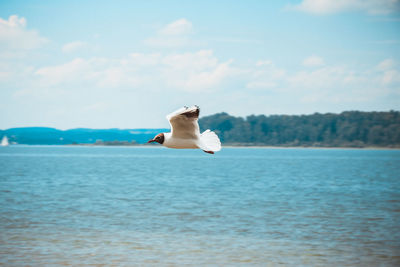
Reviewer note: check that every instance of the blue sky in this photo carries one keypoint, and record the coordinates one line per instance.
(126, 64)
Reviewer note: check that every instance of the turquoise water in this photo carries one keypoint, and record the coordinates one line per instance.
(243, 206)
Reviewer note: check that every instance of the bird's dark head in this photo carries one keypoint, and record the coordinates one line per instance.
(159, 138)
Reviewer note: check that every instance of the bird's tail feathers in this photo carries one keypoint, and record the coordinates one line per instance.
(210, 141)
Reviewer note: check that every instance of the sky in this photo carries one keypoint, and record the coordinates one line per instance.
(127, 64)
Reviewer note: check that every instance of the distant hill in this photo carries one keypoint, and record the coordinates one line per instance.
(51, 136)
(347, 129)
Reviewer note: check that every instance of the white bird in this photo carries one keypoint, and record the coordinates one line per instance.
(185, 132)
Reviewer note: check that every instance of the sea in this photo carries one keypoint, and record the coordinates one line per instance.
(152, 206)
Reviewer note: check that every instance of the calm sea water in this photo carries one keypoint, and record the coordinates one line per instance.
(128, 206)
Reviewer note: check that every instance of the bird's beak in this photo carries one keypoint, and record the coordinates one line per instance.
(151, 141)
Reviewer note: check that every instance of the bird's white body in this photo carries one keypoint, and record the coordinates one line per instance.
(185, 132)
(173, 142)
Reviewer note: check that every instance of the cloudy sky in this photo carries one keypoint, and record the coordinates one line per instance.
(126, 64)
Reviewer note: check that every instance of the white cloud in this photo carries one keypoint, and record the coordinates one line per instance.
(199, 60)
(196, 71)
(15, 39)
(320, 78)
(265, 76)
(202, 71)
(174, 34)
(74, 46)
(164, 41)
(81, 73)
(327, 84)
(140, 59)
(373, 7)
(67, 72)
(178, 27)
(340, 84)
(390, 74)
(391, 77)
(264, 63)
(313, 61)
(193, 80)
(386, 64)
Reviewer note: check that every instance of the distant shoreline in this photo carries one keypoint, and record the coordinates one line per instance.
(223, 146)
(315, 147)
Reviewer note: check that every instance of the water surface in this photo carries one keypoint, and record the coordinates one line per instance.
(242, 206)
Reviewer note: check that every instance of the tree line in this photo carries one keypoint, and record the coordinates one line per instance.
(347, 129)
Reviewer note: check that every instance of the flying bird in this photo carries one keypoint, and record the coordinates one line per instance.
(185, 132)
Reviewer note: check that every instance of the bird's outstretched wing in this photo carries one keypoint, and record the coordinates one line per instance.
(184, 123)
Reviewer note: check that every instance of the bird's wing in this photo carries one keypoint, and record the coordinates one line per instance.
(184, 123)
